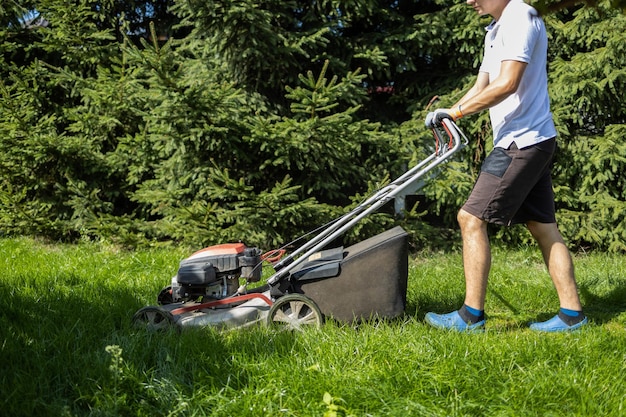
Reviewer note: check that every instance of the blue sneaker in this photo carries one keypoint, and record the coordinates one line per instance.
(556, 324)
(453, 321)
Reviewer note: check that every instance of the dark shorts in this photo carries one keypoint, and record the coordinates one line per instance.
(515, 186)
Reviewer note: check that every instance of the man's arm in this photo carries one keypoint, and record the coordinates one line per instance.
(484, 94)
(482, 81)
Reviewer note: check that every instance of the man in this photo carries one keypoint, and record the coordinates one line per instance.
(515, 184)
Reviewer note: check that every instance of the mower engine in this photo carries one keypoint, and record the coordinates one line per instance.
(213, 273)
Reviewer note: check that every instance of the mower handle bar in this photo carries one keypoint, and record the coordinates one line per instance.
(449, 139)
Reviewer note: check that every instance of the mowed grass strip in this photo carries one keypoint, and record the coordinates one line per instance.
(67, 346)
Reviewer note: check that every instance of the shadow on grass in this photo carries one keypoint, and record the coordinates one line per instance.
(427, 304)
(599, 308)
(54, 351)
(53, 344)
(603, 308)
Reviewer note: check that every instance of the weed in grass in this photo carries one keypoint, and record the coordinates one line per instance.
(333, 409)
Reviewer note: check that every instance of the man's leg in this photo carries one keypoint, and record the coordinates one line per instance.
(559, 262)
(561, 269)
(476, 262)
(476, 258)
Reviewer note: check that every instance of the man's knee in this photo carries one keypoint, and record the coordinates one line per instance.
(468, 221)
(544, 232)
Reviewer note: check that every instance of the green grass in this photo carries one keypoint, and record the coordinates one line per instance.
(67, 346)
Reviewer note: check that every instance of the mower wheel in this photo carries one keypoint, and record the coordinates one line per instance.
(154, 319)
(293, 312)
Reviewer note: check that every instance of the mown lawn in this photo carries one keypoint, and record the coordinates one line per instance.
(67, 347)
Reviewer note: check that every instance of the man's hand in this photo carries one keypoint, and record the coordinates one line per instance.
(435, 118)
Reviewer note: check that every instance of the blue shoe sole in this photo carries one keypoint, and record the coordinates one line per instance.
(556, 325)
(453, 322)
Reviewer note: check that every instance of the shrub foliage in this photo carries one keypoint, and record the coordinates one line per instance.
(213, 121)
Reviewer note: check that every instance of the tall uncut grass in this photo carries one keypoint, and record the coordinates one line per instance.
(67, 347)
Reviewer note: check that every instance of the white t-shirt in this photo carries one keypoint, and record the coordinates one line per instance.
(524, 117)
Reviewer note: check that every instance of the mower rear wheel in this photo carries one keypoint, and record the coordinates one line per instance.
(294, 312)
(154, 319)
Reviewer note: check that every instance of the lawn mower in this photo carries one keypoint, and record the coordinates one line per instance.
(364, 281)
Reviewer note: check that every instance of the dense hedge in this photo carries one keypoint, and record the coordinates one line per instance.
(260, 121)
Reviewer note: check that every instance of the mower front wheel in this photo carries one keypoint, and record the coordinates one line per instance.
(154, 319)
(294, 312)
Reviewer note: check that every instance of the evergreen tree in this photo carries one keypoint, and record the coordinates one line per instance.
(44, 167)
(588, 78)
(259, 120)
